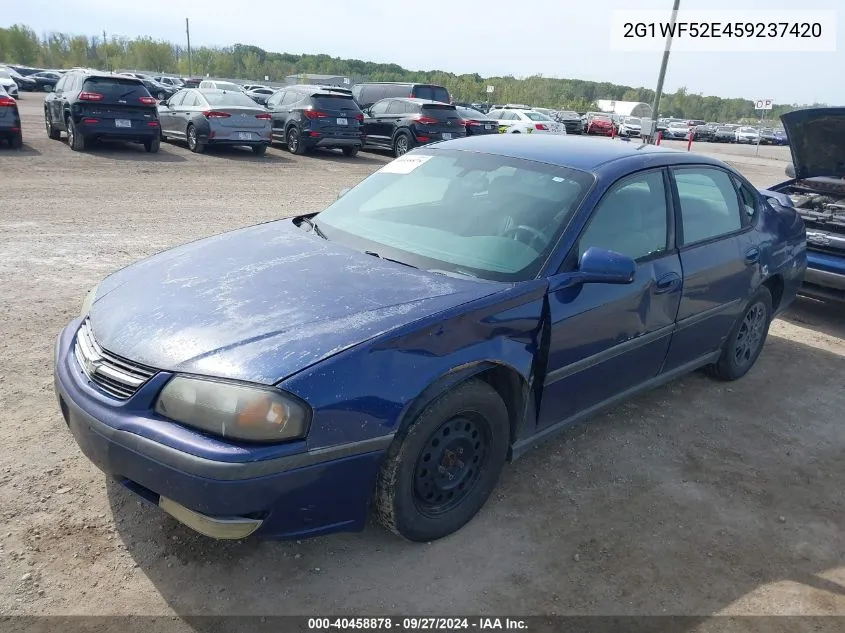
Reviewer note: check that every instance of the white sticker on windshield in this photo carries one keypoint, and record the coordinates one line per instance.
(404, 164)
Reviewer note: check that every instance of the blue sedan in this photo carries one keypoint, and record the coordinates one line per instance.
(458, 306)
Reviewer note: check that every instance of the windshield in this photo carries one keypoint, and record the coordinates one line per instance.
(224, 85)
(632, 120)
(682, 125)
(536, 116)
(228, 99)
(459, 212)
(725, 129)
(432, 93)
(469, 113)
(746, 130)
(5, 74)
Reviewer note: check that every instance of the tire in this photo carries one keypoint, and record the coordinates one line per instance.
(193, 141)
(402, 144)
(259, 150)
(746, 340)
(16, 141)
(350, 152)
(468, 428)
(161, 96)
(294, 141)
(152, 146)
(75, 140)
(52, 133)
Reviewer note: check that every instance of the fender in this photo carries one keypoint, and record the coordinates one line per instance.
(202, 126)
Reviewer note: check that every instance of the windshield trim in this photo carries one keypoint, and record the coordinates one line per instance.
(539, 266)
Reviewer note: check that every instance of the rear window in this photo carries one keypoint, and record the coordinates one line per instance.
(225, 85)
(228, 99)
(115, 87)
(441, 112)
(334, 102)
(536, 116)
(432, 93)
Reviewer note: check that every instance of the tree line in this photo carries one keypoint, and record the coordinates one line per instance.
(20, 44)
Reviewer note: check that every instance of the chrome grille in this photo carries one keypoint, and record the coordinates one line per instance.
(117, 376)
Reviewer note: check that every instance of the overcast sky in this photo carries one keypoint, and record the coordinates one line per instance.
(561, 38)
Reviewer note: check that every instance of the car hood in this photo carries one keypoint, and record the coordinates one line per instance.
(6, 81)
(816, 138)
(262, 303)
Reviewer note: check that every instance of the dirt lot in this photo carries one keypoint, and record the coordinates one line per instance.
(698, 498)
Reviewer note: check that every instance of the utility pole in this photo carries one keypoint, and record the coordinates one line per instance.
(106, 50)
(188, 32)
(655, 107)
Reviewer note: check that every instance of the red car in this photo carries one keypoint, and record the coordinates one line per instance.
(601, 125)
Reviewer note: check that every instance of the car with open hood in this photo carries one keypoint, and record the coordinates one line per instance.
(816, 191)
(461, 304)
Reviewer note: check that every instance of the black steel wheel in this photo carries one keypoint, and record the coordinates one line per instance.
(441, 470)
(746, 341)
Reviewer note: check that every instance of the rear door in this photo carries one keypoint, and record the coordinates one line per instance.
(54, 100)
(168, 114)
(718, 260)
(274, 104)
(119, 102)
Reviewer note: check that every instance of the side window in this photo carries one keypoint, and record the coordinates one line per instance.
(379, 108)
(709, 203)
(356, 93)
(631, 218)
(750, 201)
(276, 99)
(495, 114)
(509, 115)
(191, 100)
(289, 98)
(396, 107)
(60, 86)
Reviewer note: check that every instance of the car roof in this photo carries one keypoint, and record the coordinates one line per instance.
(586, 154)
(417, 101)
(97, 74)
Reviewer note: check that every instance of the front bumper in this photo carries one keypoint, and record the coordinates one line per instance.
(825, 277)
(293, 493)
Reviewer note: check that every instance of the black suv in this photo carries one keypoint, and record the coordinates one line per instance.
(90, 106)
(310, 116)
(367, 94)
(401, 124)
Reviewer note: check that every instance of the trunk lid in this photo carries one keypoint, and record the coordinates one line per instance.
(342, 115)
(442, 122)
(816, 138)
(121, 99)
(242, 118)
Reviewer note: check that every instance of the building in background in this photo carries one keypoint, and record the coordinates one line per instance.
(324, 80)
(625, 108)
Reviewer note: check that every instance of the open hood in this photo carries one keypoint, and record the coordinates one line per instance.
(817, 140)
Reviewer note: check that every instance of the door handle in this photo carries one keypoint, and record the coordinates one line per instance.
(667, 283)
(752, 255)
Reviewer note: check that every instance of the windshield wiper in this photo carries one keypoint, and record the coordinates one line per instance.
(315, 228)
(395, 261)
(452, 273)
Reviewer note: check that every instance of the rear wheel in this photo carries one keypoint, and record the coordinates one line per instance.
(52, 132)
(193, 141)
(402, 144)
(153, 145)
(259, 150)
(16, 141)
(75, 140)
(294, 141)
(351, 152)
(746, 341)
(442, 471)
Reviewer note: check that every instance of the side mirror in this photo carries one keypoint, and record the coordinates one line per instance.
(606, 267)
(598, 266)
(790, 170)
(343, 192)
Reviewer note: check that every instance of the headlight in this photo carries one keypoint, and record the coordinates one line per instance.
(232, 410)
(88, 301)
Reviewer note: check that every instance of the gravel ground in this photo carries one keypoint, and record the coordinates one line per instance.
(698, 498)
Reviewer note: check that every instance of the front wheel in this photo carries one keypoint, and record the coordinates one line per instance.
(351, 152)
(152, 146)
(746, 340)
(52, 133)
(16, 141)
(75, 140)
(259, 150)
(441, 471)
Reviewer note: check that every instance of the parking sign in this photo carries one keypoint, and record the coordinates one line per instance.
(763, 104)
(489, 89)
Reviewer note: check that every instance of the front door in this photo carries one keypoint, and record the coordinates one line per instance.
(608, 339)
(719, 261)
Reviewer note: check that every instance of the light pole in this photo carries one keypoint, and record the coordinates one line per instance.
(655, 106)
